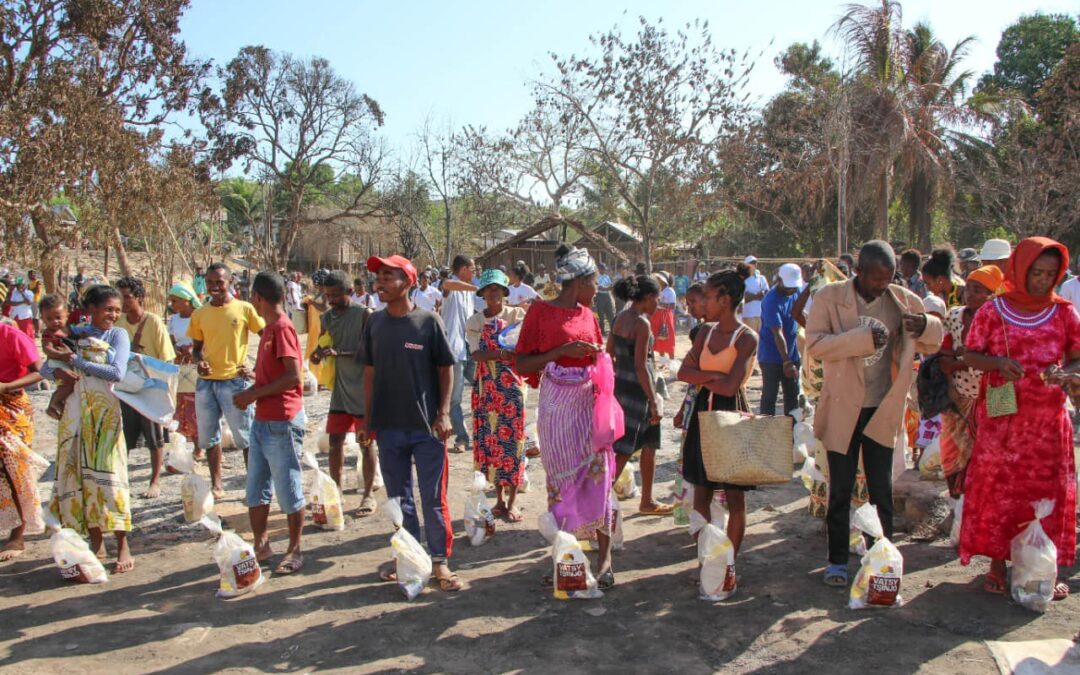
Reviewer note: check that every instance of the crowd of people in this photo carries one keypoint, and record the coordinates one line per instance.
(399, 348)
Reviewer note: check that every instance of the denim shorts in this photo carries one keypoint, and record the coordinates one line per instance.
(274, 463)
(214, 400)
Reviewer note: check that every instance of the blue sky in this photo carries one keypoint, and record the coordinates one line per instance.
(470, 62)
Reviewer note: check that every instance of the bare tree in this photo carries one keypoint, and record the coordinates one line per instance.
(439, 161)
(305, 127)
(654, 106)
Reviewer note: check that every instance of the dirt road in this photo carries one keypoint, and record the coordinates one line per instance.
(163, 616)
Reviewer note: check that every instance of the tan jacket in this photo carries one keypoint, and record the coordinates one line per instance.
(834, 337)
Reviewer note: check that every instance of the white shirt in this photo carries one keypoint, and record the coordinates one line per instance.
(22, 312)
(292, 295)
(754, 284)
(701, 276)
(178, 326)
(1070, 290)
(427, 298)
(542, 280)
(521, 294)
(667, 296)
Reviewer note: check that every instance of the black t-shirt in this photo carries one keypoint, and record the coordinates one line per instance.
(405, 353)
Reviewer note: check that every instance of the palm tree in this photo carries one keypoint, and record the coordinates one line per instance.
(937, 89)
(873, 34)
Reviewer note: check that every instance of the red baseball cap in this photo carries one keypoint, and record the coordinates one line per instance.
(375, 263)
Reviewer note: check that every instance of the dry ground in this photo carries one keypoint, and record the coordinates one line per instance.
(163, 617)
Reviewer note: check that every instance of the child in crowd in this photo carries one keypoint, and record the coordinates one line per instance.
(695, 307)
(54, 316)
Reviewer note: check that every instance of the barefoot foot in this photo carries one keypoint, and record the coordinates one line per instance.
(153, 491)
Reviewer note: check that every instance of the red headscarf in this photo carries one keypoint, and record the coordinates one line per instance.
(1025, 255)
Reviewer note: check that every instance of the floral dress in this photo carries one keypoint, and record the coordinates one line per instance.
(498, 403)
(1021, 458)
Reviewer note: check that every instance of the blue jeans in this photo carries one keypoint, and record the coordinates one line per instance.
(214, 399)
(274, 463)
(398, 451)
(457, 416)
(772, 379)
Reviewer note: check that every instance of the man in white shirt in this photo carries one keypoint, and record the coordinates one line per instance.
(20, 301)
(293, 293)
(521, 293)
(756, 288)
(1070, 290)
(459, 296)
(542, 279)
(427, 296)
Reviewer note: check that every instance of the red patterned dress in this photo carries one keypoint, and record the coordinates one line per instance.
(1019, 459)
(498, 404)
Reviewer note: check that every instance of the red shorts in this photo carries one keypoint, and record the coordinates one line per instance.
(343, 423)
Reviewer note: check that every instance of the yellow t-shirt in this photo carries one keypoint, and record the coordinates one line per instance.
(223, 332)
(37, 287)
(153, 341)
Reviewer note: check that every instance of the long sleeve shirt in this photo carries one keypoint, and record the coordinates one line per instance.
(114, 369)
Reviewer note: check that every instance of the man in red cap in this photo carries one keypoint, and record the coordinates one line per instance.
(407, 388)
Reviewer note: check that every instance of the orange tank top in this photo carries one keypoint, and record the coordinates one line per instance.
(724, 360)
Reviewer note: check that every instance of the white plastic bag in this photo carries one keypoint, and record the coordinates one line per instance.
(810, 473)
(72, 554)
(716, 556)
(227, 442)
(930, 462)
(803, 433)
(626, 486)
(324, 443)
(1034, 562)
(324, 498)
(958, 514)
(412, 561)
(479, 520)
(683, 494)
(525, 482)
(571, 574)
(237, 565)
(178, 457)
(196, 497)
(856, 542)
(617, 539)
(878, 582)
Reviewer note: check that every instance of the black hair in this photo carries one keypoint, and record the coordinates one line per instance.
(911, 256)
(460, 261)
(96, 295)
(696, 288)
(641, 268)
(848, 258)
(132, 284)
(843, 267)
(521, 270)
(562, 250)
(877, 252)
(632, 289)
(270, 286)
(51, 301)
(941, 263)
(359, 281)
(336, 279)
(729, 283)
(743, 270)
(218, 266)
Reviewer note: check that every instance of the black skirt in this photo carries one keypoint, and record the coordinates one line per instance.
(693, 467)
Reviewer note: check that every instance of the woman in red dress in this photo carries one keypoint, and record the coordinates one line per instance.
(1031, 337)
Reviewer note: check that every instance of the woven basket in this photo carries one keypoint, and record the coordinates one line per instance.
(746, 450)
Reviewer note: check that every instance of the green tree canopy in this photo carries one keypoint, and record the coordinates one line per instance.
(1028, 51)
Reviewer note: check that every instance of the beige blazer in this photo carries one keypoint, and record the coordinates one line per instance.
(834, 337)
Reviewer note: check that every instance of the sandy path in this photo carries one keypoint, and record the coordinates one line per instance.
(336, 614)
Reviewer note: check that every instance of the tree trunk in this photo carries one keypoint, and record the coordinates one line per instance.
(919, 198)
(121, 253)
(446, 220)
(881, 214)
(49, 261)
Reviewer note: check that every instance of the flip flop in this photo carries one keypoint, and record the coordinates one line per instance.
(367, 507)
(514, 516)
(532, 452)
(606, 580)
(994, 583)
(836, 576)
(1061, 591)
(450, 584)
(289, 565)
(658, 510)
(125, 566)
(388, 571)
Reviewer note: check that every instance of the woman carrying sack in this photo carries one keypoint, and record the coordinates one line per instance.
(1027, 342)
(720, 361)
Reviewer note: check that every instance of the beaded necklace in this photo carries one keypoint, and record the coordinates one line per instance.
(1024, 320)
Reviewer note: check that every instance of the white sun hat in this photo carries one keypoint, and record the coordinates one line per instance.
(995, 249)
(791, 275)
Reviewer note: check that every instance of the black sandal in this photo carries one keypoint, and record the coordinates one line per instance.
(606, 580)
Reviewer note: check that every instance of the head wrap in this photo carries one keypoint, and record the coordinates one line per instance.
(575, 263)
(1025, 255)
(990, 276)
(184, 291)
